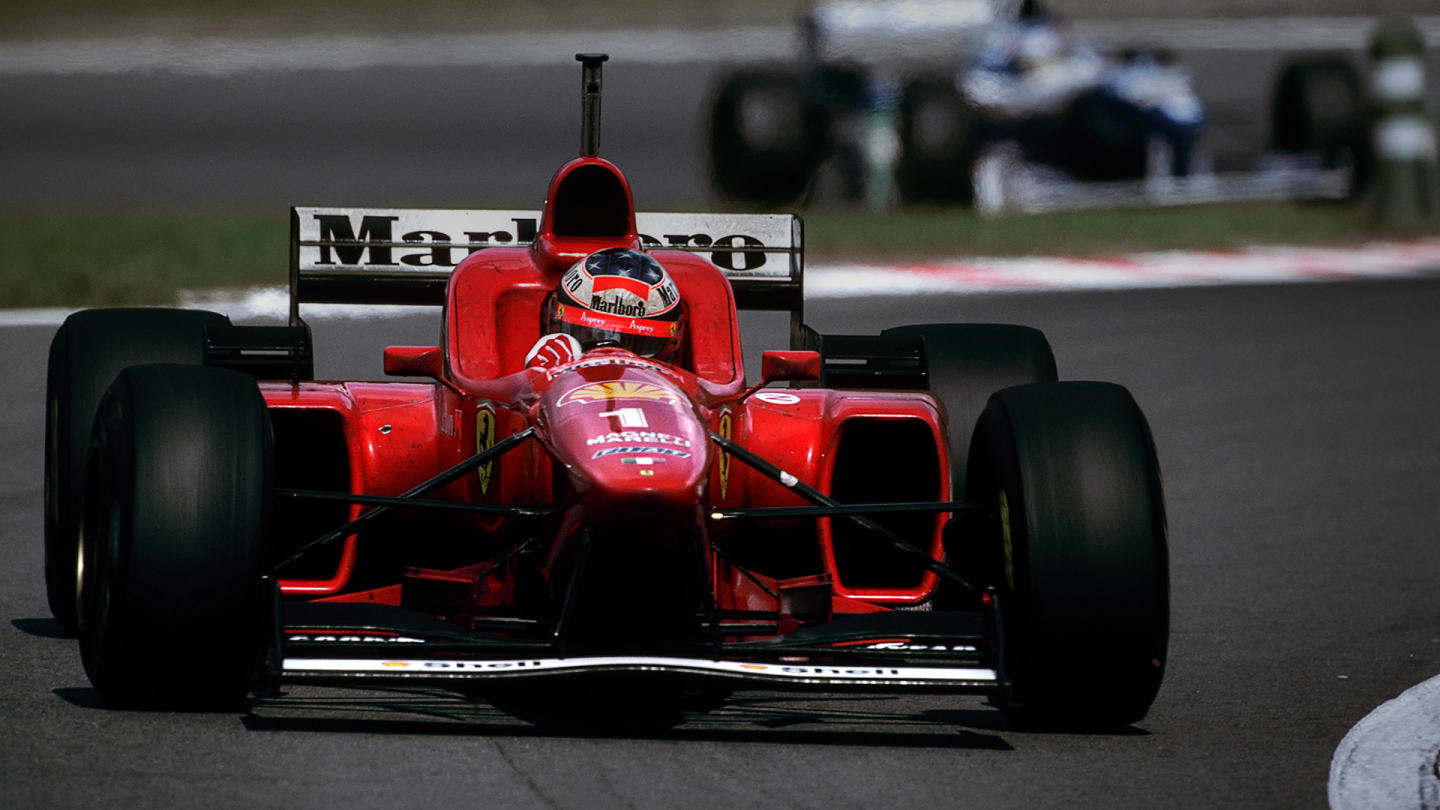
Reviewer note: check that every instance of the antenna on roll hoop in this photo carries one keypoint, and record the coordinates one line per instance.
(590, 101)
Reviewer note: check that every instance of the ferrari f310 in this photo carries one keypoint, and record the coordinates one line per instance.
(924, 510)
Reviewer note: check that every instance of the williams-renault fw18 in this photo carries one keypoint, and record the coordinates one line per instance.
(578, 485)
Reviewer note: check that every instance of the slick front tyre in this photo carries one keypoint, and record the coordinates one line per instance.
(173, 537)
(89, 349)
(768, 135)
(1079, 552)
(1317, 108)
(939, 143)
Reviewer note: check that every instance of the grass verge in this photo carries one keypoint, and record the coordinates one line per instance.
(919, 235)
(98, 260)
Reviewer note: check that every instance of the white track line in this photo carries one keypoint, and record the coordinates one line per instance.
(1261, 265)
(223, 56)
(1244, 33)
(1389, 759)
(254, 306)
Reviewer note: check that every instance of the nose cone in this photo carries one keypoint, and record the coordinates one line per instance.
(631, 442)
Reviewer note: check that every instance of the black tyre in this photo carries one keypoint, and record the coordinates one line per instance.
(844, 91)
(939, 143)
(1077, 550)
(966, 363)
(1317, 108)
(87, 352)
(768, 135)
(179, 482)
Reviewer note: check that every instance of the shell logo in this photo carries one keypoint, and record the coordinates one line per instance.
(613, 389)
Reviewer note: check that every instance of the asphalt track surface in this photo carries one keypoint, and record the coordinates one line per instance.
(1297, 429)
(414, 136)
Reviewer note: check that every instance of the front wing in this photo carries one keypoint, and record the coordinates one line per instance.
(338, 643)
(737, 673)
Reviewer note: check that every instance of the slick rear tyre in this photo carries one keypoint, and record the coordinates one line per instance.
(89, 349)
(173, 538)
(967, 362)
(1078, 551)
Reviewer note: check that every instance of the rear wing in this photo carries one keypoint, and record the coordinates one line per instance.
(405, 256)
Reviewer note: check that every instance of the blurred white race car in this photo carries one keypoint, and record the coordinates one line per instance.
(1023, 82)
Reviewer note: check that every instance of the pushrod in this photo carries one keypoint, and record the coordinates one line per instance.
(843, 510)
(412, 503)
(819, 498)
(423, 488)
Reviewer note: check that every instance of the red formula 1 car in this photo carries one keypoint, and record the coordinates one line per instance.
(923, 510)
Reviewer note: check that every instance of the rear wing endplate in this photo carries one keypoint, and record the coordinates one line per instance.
(405, 256)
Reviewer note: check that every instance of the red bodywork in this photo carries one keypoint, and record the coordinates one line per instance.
(623, 444)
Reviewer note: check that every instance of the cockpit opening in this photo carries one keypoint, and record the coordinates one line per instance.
(591, 202)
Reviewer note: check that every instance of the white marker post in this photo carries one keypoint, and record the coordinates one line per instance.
(1404, 133)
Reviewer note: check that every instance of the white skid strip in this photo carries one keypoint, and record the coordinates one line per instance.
(797, 673)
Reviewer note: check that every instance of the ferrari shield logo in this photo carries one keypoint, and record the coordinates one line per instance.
(724, 430)
(612, 389)
(484, 440)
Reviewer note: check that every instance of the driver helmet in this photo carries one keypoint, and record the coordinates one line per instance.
(1038, 43)
(619, 297)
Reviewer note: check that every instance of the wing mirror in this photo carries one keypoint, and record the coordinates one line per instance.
(781, 366)
(414, 361)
